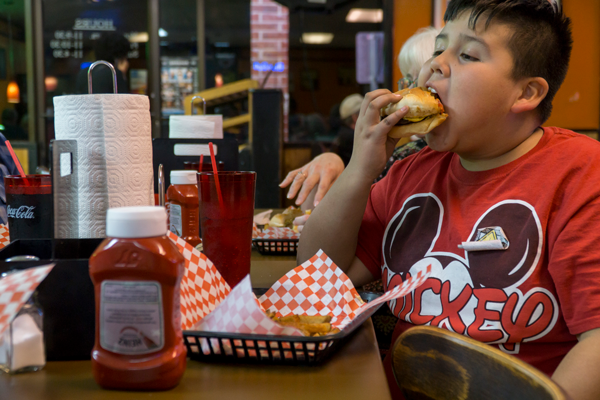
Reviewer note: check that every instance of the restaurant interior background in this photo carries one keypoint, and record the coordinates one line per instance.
(45, 43)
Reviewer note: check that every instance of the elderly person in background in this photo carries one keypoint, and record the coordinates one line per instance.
(349, 109)
(414, 53)
(313, 180)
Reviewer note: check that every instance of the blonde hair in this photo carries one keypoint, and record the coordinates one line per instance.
(416, 50)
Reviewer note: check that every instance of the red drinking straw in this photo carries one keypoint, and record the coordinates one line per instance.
(214, 167)
(15, 159)
(201, 163)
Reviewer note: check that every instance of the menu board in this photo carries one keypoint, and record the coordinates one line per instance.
(71, 28)
(67, 44)
(71, 43)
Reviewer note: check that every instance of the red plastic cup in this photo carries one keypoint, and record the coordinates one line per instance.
(206, 166)
(227, 229)
(29, 206)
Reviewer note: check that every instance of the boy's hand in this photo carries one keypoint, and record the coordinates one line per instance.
(372, 146)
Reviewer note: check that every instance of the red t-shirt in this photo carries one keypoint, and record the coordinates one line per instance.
(530, 299)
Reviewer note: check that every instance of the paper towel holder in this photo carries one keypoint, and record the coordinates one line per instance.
(203, 104)
(112, 69)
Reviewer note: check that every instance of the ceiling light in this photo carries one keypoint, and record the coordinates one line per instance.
(317, 38)
(365, 15)
(162, 32)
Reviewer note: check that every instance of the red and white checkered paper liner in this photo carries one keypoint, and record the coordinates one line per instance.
(274, 233)
(16, 288)
(317, 287)
(202, 286)
(4, 236)
(241, 313)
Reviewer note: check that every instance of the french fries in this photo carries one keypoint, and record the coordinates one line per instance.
(315, 325)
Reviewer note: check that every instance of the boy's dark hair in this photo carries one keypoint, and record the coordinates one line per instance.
(541, 41)
(111, 46)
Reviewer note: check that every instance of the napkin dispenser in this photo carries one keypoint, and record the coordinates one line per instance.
(172, 153)
(196, 126)
(65, 195)
(66, 296)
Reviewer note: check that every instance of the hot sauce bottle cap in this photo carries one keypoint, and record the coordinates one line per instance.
(183, 177)
(136, 222)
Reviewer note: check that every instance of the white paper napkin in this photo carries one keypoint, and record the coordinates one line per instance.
(114, 148)
(196, 127)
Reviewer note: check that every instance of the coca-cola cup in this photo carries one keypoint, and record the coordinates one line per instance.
(29, 206)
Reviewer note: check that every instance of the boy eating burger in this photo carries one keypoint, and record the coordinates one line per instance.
(490, 171)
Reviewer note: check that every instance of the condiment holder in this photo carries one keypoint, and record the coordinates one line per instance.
(22, 344)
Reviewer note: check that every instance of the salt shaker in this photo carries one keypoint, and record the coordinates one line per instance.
(22, 344)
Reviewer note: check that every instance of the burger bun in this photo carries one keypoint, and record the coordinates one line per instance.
(421, 103)
(417, 128)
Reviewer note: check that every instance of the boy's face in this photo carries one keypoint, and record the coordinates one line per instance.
(471, 72)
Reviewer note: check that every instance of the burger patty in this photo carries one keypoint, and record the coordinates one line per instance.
(407, 122)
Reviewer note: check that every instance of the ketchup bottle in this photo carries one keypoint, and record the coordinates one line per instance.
(137, 272)
(182, 200)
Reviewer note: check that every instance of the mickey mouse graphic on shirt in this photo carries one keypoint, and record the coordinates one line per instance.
(476, 293)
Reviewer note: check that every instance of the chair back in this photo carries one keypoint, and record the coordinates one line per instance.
(434, 363)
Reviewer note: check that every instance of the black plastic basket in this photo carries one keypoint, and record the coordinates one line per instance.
(276, 247)
(271, 349)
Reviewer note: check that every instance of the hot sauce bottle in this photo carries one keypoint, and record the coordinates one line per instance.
(182, 203)
(137, 272)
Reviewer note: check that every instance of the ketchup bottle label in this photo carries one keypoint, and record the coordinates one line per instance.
(131, 319)
(175, 221)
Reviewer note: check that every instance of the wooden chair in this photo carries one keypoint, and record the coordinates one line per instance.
(433, 363)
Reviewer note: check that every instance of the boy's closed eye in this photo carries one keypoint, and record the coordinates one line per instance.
(464, 56)
(468, 57)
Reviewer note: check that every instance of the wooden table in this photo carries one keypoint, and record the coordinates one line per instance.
(354, 372)
(266, 270)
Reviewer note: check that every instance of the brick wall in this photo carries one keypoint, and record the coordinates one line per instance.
(269, 30)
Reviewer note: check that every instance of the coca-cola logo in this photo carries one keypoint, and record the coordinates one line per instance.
(23, 212)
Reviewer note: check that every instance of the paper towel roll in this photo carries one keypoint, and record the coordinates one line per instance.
(196, 127)
(114, 146)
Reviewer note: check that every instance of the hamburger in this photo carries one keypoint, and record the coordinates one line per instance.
(286, 219)
(425, 113)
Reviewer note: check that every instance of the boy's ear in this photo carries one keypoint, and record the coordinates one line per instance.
(534, 90)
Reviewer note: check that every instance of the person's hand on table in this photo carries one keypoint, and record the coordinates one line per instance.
(323, 170)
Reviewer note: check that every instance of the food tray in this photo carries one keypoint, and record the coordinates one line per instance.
(276, 247)
(271, 349)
